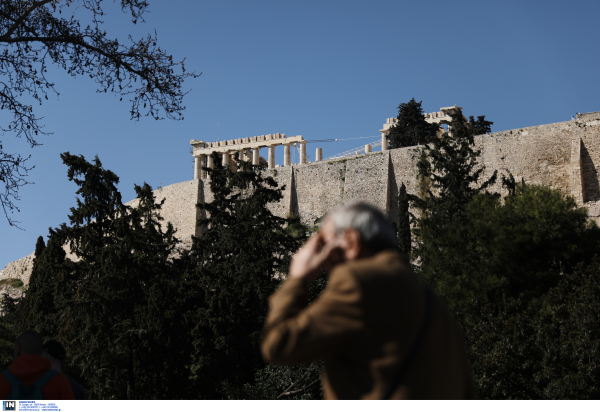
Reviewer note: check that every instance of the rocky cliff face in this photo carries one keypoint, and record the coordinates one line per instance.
(15, 276)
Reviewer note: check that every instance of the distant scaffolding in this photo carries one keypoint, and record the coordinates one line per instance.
(368, 148)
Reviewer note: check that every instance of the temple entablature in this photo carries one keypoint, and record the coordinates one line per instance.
(248, 149)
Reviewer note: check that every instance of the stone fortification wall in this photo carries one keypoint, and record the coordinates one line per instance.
(561, 156)
(180, 206)
(538, 155)
(564, 156)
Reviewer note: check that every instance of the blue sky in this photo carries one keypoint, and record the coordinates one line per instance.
(322, 69)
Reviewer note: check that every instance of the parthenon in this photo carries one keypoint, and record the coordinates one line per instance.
(202, 151)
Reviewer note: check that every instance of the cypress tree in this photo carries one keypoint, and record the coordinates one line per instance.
(404, 236)
(411, 129)
(450, 167)
(114, 303)
(39, 246)
(39, 309)
(240, 257)
(480, 126)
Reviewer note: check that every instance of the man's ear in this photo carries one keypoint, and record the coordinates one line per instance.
(353, 244)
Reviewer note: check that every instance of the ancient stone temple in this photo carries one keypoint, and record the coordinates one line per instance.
(247, 150)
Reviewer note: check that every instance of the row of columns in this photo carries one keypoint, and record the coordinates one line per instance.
(206, 160)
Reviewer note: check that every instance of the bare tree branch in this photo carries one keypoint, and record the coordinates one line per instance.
(34, 35)
(287, 392)
(21, 18)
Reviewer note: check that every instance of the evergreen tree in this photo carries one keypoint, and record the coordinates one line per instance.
(450, 167)
(519, 247)
(522, 352)
(404, 236)
(284, 382)
(480, 126)
(411, 128)
(114, 303)
(40, 245)
(241, 256)
(7, 344)
(39, 310)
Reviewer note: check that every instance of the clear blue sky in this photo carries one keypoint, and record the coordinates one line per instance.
(322, 69)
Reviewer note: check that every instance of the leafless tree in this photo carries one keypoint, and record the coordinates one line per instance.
(35, 34)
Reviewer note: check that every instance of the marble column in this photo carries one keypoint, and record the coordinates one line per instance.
(255, 156)
(286, 154)
(209, 164)
(197, 168)
(384, 142)
(368, 148)
(203, 173)
(302, 153)
(271, 157)
(319, 155)
(225, 159)
(232, 161)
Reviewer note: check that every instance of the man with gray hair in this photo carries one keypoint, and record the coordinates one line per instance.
(381, 332)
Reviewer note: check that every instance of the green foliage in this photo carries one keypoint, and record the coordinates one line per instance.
(116, 309)
(404, 236)
(142, 319)
(117, 320)
(39, 311)
(280, 382)
(411, 129)
(450, 177)
(7, 345)
(240, 255)
(518, 247)
(569, 337)
(519, 273)
(284, 382)
(552, 353)
(480, 126)
(12, 282)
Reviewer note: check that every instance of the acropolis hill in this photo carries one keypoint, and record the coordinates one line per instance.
(562, 156)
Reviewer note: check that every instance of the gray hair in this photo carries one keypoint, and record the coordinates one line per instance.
(375, 231)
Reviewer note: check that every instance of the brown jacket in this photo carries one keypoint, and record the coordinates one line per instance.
(362, 326)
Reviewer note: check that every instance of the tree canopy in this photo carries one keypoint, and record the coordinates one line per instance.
(519, 272)
(480, 126)
(239, 258)
(35, 34)
(449, 176)
(411, 128)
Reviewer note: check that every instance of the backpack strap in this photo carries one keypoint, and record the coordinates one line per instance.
(414, 349)
(45, 378)
(18, 386)
(13, 381)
